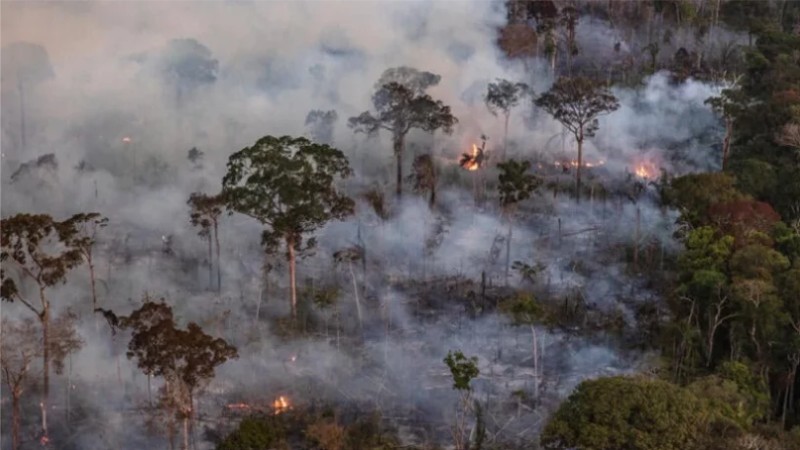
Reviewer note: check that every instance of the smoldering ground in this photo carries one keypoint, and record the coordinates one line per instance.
(120, 131)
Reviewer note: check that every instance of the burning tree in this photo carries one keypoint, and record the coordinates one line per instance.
(38, 248)
(185, 359)
(425, 176)
(577, 102)
(503, 96)
(515, 186)
(401, 104)
(287, 184)
(205, 213)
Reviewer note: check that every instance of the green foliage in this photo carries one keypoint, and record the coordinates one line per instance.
(577, 102)
(463, 369)
(524, 309)
(625, 413)
(515, 185)
(255, 433)
(287, 184)
(694, 194)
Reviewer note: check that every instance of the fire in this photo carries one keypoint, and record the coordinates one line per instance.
(281, 404)
(472, 161)
(645, 170)
(126, 140)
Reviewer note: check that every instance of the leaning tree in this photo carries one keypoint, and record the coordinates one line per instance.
(288, 184)
(503, 96)
(577, 102)
(401, 104)
(35, 249)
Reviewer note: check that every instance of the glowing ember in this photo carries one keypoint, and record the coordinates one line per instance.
(126, 140)
(44, 440)
(472, 161)
(281, 404)
(646, 170)
(238, 406)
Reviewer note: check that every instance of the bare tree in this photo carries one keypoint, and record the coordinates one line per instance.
(348, 256)
(425, 177)
(205, 213)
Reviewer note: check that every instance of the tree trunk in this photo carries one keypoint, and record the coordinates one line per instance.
(92, 280)
(636, 240)
(45, 320)
(290, 256)
(15, 418)
(508, 248)
(185, 433)
(22, 131)
(726, 143)
(580, 167)
(355, 292)
(432, 199)
(505, 137)
(219, 270)
(210, 264)
(398, 154)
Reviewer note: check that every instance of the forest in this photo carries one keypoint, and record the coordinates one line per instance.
(427, 225)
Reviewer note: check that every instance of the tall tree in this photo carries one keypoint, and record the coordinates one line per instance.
(729, 104)
(35, 245)
(185, 359)
(18, 348)
(288, 185)
(24, 65)
(515, 185)
(349, 256)
(503, 96)
(401, 104)
(320, 124)
(577, 102)
(80, 232)
(425, 177)
(205, 213)
(187, 64)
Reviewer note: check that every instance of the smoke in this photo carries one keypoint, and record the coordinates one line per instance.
(120, 130)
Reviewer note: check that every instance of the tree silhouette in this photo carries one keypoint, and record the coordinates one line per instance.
(320, 124)
(515, 186)
(19, 346)
(81, 231)
(401, 104)
(187, 64)
(577, 102)
(729, 105)
(503, 96)
(288, 185)
(36, 246)
(185, 359)
(24, 65)
(425, 177)
(205, 213)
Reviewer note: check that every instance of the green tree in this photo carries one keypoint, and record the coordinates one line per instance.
(205, 213)
(401, 104)
(625, 413)
(36, 246)
(288, 185)
(729, 104)
(502, 97)
(577, 102)
(463, 370)
(515, 186)
(694, 194)
(185, 359)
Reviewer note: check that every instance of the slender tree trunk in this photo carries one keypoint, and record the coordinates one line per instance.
(292, 276)
(505, 136)
(432, 198)
(22, 131)
(15, 418)
(726, 143)
(636, 239)
(398, 154)
(45, 320)
(355, 292)
(210, 264)
(219, 269)
(92, 279)
(185, 433)
(508, 248)
(580, 167)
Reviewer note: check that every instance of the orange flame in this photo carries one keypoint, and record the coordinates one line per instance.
(281, 404)
(645, 170)
(472, 163)
(126, 140)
